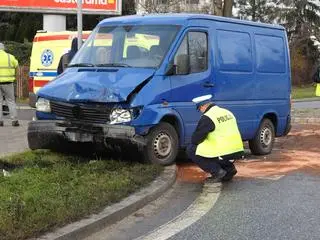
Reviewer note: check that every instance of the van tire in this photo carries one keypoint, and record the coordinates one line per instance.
(162, 145)
(262, 143)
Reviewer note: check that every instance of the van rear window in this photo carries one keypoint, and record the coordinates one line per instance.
(270, 54)
(234, 51)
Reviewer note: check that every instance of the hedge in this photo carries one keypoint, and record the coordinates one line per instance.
(22, 51)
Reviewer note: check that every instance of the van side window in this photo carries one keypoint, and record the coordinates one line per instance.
(192, 55)
(181, 57)
(198, 51)
(270, 54)
(234, 51)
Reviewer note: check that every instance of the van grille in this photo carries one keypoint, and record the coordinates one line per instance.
(85, 112)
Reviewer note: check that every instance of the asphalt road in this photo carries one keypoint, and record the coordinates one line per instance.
(272, 197)
(23, 113)
(255, 209)
(287, 208)
(160, 211)
(309, 104)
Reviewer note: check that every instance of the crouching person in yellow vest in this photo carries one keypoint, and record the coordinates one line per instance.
(216, 141)
(8, 66)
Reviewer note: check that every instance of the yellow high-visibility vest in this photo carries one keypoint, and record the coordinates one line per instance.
(225, 139)
(318, 90)
(8, 65)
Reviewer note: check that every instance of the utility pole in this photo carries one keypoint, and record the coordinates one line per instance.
(79, 22)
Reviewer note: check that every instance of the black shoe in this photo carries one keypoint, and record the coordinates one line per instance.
(15, 123)
(1, 123)
(218, 176)
(221, 174)
(229, 175)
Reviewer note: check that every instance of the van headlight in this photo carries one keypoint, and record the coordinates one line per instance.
(43, 105)
(120, 116)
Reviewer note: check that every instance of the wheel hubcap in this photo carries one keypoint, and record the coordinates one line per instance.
(266, 136)
(162, 145)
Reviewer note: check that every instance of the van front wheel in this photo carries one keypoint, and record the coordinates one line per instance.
(162, 145)
(262, 143)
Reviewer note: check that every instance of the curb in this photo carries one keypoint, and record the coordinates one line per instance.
(314, 99)
(23, 107)
(116, 212)
(303, 120)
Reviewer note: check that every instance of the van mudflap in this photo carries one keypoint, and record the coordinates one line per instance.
(288, 126)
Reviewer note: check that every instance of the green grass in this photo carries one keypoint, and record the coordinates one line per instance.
(303, 92)
(47, 190)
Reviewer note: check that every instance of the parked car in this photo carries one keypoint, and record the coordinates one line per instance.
(145, 98)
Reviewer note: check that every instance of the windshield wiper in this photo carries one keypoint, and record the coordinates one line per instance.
(82, 65)
(113, 65)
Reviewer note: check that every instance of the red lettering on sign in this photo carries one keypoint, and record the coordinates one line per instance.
(89, 5)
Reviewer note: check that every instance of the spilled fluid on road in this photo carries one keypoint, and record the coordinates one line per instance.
(299, 151)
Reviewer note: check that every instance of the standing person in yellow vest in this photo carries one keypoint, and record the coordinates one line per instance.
(216, 141)
(316, 79)
(8, 66)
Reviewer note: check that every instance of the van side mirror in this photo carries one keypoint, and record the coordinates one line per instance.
(170, 69)
(183, 65)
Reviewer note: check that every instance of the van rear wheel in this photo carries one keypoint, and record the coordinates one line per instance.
(262, 143)
(162, 145)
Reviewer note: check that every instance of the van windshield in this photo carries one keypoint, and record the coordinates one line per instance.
(126, 46)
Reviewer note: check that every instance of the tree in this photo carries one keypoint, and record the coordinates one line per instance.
(158, 6)
(227, 8)
(301, 19)
(128, 7)
(216, 7)
(256, 10)
(19, 26)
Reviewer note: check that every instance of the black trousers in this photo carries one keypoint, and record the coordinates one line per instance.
(212, 165)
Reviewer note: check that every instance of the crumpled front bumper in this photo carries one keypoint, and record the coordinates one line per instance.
(45, 133)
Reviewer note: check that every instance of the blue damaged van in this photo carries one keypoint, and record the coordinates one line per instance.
(141, 95)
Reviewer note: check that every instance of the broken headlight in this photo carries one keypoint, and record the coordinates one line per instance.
(43, 105)
(120, 115)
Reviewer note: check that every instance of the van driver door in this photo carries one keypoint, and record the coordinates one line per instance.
(191, 77)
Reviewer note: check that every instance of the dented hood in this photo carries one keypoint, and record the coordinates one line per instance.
(95, 84)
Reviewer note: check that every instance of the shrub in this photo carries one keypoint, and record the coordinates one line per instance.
(22, 51)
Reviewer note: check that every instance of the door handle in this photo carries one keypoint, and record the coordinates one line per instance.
(208, 85)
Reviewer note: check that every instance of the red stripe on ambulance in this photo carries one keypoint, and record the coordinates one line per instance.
(40, 83)
(57, 37)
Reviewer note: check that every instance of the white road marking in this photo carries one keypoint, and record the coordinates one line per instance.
(273, 177)
(24, 108)
(192, 214)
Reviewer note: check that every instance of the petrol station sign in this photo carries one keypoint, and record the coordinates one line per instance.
(101, 7)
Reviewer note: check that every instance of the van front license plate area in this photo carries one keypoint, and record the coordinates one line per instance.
(79, 137)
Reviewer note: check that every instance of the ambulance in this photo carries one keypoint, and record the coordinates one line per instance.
(48, 47)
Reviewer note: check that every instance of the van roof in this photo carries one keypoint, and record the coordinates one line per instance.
(180, 19)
